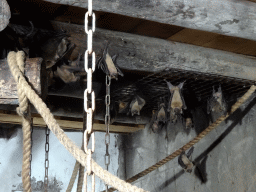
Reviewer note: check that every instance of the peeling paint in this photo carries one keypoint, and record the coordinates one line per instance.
(226, 22)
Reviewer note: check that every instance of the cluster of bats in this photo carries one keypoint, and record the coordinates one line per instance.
(65, 67)
(56, 51)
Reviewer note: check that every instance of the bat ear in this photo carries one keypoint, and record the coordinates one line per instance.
(180, 86)
(170, 86)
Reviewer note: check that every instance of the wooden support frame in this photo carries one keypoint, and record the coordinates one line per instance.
(228, 17)
(69, 125)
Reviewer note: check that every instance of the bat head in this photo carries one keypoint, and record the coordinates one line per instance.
(217, 95)
(135, 112)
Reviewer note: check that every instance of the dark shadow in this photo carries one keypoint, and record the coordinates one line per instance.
(236, 116)
(169, 181)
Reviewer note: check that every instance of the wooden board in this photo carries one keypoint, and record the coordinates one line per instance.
(215, 41)
(232, 18)
(5, 14)
(8, 88)
(69, 125)
(151, 54)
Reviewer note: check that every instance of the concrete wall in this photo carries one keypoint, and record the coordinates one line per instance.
(61, 162)
(227, 155)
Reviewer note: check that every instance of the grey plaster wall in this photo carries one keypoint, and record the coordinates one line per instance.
(227, 153)
(61, 162)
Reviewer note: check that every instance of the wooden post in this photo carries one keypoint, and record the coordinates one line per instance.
(34, 73)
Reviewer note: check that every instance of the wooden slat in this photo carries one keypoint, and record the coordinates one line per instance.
(151, 54)
(69, 125)
(215, 41)
(232, 18)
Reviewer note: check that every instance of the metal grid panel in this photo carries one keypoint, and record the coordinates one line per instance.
(201, 85)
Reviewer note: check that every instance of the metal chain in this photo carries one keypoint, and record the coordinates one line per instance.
(107, 122)
(30, 157)
(46, 163)
(89, 107)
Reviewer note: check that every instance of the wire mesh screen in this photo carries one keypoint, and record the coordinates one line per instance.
(153, 86)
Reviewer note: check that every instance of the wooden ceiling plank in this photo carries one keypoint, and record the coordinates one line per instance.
(231, 18)
(215, 41)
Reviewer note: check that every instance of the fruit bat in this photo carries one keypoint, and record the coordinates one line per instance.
(159, 117)
(55, 49)
(113, 111)
(65, 73)
(217, 102)
(188, 119)
(184, 160)
(176, 102)
(108, 64)
(136, 104)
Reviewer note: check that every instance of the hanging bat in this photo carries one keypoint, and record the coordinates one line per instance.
(188, 119)
(217, 102)
(113, 111)
(65, 73)
(136, 105)
(185, 162)
(54, 49)
(159, 117)
(108, 64)
(176, 102)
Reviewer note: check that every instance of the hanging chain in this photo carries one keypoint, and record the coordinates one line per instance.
(46, 163)
(89, 109)
(107, 122)
(30, 157)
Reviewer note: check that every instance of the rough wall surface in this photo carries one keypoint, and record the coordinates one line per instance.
(61, 163)
(228, 153)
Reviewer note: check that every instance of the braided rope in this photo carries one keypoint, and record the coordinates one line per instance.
(194, 141)
(60, 134)
(24, 111)
(80, 179)
(73, 177)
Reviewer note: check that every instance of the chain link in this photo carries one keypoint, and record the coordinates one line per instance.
(46, 163)
(107, 122)
(89, 105)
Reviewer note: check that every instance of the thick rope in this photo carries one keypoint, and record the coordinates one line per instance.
(24, 111)
(194, 141)
(62, 137)
(80, 179)
(73, 177)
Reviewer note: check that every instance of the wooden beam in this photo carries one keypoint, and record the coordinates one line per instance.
(5, 14)
(232, 18)
(150, 54)
(69, 125)
(34, 74)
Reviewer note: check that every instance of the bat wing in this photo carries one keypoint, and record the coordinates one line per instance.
(190, 151)
(117, 67)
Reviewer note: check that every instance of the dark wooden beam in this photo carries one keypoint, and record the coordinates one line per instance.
(151, 54)
(69, 125)
(232, 18)
(34, 74)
